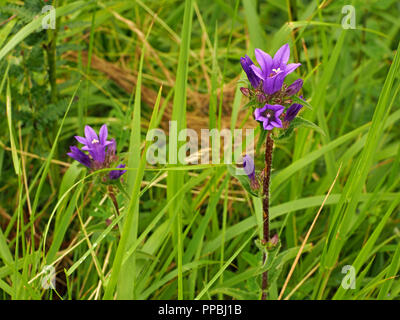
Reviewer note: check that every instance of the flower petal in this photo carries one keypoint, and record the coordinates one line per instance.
(279, 112)
(277, 82)
(274, 107)
(246, 63)
(115, 174)
(81, 139)
(268, 86)
(277, 123)
(291, 67)
(79, 156)
(258, 113)
(281, 57)
(112, 147)
(90, 134)
(264, 60)
(110, 142)
(267, 126)
(248, 166)
(257, 71)
(103, 133)
(98, 152)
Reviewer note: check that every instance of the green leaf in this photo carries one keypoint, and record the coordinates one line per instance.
(35, 24)
(11, 129)
(296, 123)
(301, 101)
(301, 122)
(251, 103)
(243, 179)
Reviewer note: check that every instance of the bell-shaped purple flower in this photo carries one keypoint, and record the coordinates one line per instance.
(273, 70)
(248, 167)
(246, 63)
(250, 170)
(96, 145)
(269, 116)
(101, 151)
(294, 88)
(79, 156)
(292, 111)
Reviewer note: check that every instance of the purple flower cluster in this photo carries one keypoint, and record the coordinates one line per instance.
(268, 88)
(101, 152)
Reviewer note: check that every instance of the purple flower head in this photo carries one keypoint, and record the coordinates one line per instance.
(294, 88)
(246, 63)
(292, 111)
(101, 151)
(96, 145)
(273, 70)
(115, 174)
(269, 116)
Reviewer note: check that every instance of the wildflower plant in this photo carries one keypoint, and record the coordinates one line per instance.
(276, 107)
(100, 155)
(101, 152)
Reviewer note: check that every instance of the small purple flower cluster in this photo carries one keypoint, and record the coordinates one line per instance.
(273, 98)
(269, 90)
(101, 152)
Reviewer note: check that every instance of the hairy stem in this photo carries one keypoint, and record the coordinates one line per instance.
(267, 177)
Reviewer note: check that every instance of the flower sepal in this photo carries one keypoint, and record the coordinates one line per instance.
(270, 249)
(253, 103)
(257, 98)
(268, 245)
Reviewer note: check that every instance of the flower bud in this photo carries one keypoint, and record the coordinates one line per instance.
(245, 91)
(274, 240)
(261, 98)
(294, 88)
(246, 63)
(293, 110)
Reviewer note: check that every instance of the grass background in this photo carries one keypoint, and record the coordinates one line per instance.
(189, 232)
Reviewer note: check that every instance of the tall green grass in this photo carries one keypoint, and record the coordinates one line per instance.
(190, 231)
